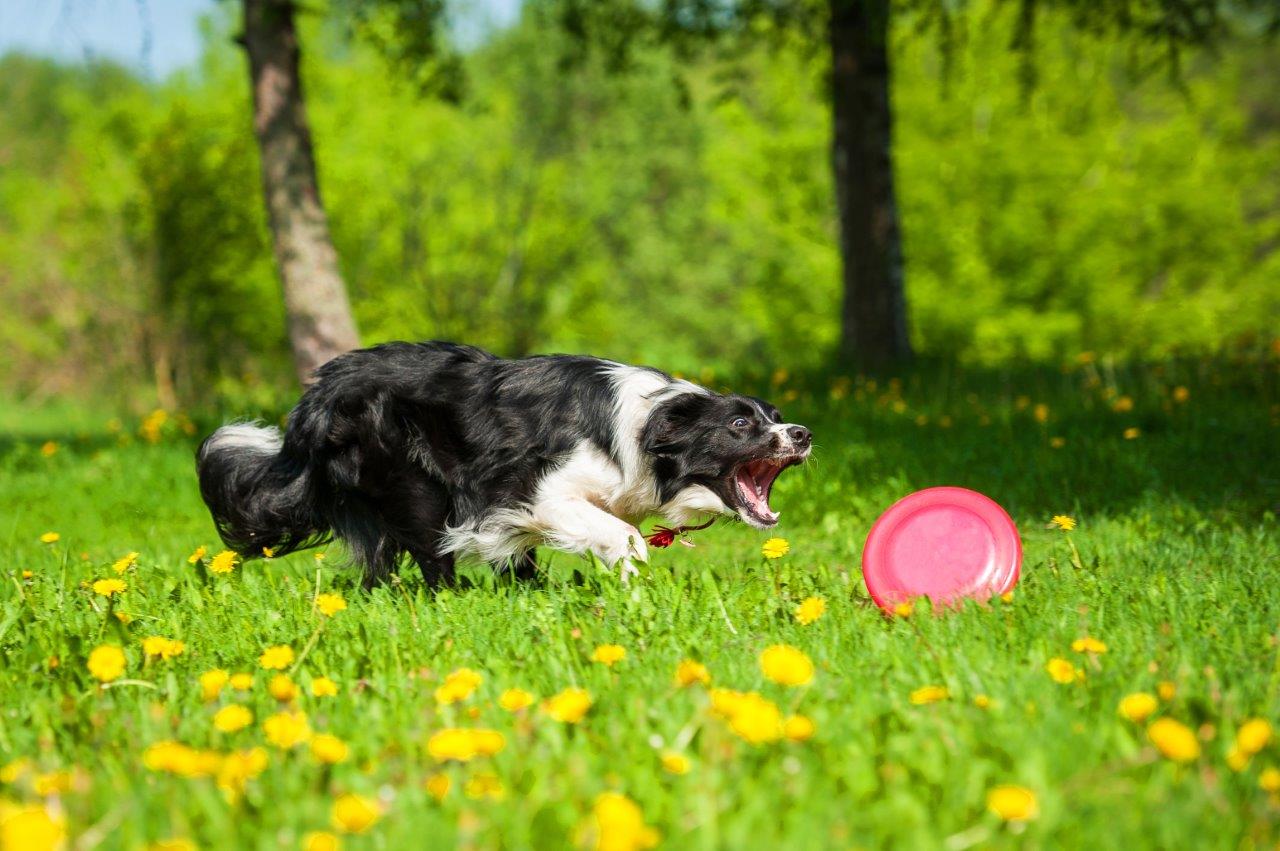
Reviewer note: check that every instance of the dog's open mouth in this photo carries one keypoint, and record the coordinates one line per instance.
(752, 481)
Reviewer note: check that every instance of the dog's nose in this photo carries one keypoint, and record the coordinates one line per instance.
(800, 436)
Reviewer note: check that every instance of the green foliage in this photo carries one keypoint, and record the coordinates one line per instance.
(1172, 567)
(675, 210)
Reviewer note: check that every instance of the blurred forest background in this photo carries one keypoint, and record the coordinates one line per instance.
(674, 209)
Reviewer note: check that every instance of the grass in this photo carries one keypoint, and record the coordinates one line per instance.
(1173, 566)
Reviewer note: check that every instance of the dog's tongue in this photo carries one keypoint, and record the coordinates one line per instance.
(753, 482)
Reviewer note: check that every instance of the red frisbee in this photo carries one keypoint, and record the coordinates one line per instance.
(944, 544)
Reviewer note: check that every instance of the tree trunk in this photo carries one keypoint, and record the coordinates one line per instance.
(874, 315)
(315, 298)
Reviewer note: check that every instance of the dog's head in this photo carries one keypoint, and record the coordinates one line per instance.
(735, 446)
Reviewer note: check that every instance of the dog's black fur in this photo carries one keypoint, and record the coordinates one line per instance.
(393, 445)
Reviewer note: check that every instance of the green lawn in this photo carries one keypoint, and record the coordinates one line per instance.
(1176, 573)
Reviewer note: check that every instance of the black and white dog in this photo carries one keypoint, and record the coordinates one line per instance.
(438, 450)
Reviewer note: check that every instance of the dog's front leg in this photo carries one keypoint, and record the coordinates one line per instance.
(576, 525)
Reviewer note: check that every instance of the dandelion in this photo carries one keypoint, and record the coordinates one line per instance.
(323, 687)
(124, 563)
(1237, 760)
(109, 587)
(1012, 803)
(810, 609)
(321, 840)
(1088, 645)
(282, 688)
(569, 706)
(31, 828)
(786, 665)
(1132, 433)
(1041, 413)
(1122, 405)
(484, 784)
(276, 658)
(319, 557)
(1181, 394)
(239, 767)
(982, 701)
(53, 783)
(354, 814)
(165, 648)
(1166, 690)
(1063, 522)
(1174, 739)
(464, 745)
(925, 695)
(674, 762)
(609, 654)
(329, 749)
(1269, 780)
(197, 555)
(241, 682)
(618, 824)
(223, 562)
(211, 683)
(751, 716)
(27, 574)
(1057, 442)
(458, 686)
(1253, 736)
(437, 785)
(798, 728)
(330, 604)
(689, 672)
(904, 609)
(48, 449)
(233, 718)
(775, 548)
(515, 699)
(106, 663)
(1138, 707)
(268, 552)
(1063, 671)
(286, 729)
(50, 538)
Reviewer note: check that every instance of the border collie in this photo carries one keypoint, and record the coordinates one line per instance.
(441, 450)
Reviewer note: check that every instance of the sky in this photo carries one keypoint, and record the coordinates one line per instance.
(152, 37)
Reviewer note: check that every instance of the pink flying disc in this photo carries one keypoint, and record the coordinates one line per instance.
(943, 543)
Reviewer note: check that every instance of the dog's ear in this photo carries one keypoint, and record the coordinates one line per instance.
(671, 424)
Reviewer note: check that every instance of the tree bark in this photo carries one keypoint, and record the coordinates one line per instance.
(321, 325)
(874, 314)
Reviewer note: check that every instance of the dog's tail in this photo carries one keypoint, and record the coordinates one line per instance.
(257, 495)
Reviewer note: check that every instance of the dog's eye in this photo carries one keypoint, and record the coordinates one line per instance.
(740, 422)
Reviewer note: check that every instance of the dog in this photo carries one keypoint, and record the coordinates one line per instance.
(441, 450)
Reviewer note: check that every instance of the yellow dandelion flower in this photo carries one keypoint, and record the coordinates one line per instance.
(27, 574)
(31, 828)
(109, 587)
(223, 562)
(674, 762)
(282, 688)
(810, 609)
(106, 663)
(463, 744)
(775, 548)
(1063, 522)
(1253, 736)
(515, 699)
(239, 767)
(1012, 803)
(925, 695)
(232, 718)
(1166, 690)
(53, 783)
(330, 604)
(609, 654)
(751, 716)
(786, 665)
(318, 556)
(321, 840)
(437, 785)
(268, 552)
(124, 562)
(241, 682)
(1041, 413)
(1174, 739)
(50, 538)
(354, 814)
(1269, 780)
(197, 555)
(1088, 645)
(568, 706)
(1138, 707)
(1063, 671)
(212, 682)
(798, 728)
(49, 448)
(1237, 760)
(689, 672)
(276, 658)
(286, 729)
(484, 784)
(1057, 442)
(458, 686)
(904, 609)
(329, 749)
(618, 824)
(1181, 394)
(1122, 405)
(323, 687)
(982, 701)
(1132, 433)
(165, 648)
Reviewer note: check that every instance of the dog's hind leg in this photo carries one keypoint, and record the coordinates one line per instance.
(416, 512)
